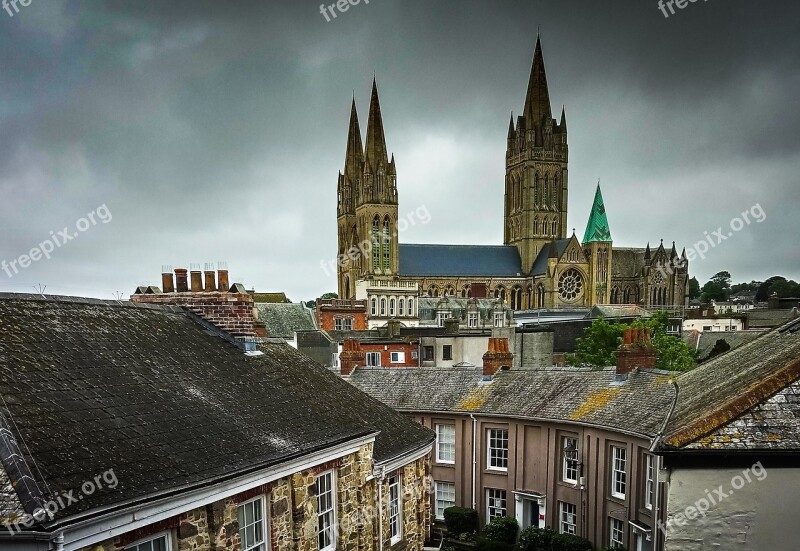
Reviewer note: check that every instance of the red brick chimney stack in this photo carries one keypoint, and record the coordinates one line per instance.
(351, 357)
(181, 280)
(497, 357)
(167, 280)
(636, 351)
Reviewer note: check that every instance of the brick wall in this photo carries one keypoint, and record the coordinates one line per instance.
(232, 312)
(385, 350)
(328, 311)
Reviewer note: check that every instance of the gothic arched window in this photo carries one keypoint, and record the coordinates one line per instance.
(411, 307)
(374, 307)
(383, 307)
(540, 296)
(556, 189)
(376, 243)
(536, 190)
(401, 307)
(554, 227)
(386, 244)
(546, 195)
(391, 307)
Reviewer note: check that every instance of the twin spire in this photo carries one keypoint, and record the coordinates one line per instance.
(372, 157)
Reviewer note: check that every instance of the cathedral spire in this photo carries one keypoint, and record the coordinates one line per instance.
(597, 230)
(537, 101)
(511, 127)
(563, 125)
(354, 157)
(376, 142)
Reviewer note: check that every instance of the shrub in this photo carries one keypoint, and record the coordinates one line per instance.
(613, 549)
(568, 542)
(536, 539)
(502, 529)
(460, 520)
(485, 544)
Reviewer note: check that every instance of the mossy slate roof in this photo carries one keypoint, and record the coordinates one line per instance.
(562, 395)
(146, 391)
(283, 320)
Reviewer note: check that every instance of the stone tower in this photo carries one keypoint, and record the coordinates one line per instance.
(367, 204)
(536, 171)
(597, 245)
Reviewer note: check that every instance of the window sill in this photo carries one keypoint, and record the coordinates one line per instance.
(618, 498)
(496, 470)
(450, 464)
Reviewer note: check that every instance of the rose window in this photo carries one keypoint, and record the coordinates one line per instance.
(658, 277)
(570, 285)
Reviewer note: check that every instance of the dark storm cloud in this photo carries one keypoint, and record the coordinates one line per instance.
(215, 130)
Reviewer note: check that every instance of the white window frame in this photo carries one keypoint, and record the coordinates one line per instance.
(619, 474)
(373, 355)
(616, 533)
(440, 442)
(649, 480)
(441, 317)
(411, 307)
(392, 304)
(567, 518)
(401, 307)
(166, 535)
(264, 543)
(395, 510)
(374, 306)
(496, 503)
(569, 465)
(445, 496)
(328, 513)
(499, 319)
(495, 436)
(401, 357)
(472, 320)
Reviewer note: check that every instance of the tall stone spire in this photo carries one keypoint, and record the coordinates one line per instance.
(354, 157)
(597, 230)
(375, 154)
(537, 102)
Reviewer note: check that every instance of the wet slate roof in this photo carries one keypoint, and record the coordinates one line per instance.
(727, 387)
(283, 320)
(459, 260)
(93, 385)
(564, 395)
(540, 264)
(708, 339)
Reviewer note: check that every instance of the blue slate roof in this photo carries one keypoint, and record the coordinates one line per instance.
(460, 260)
(540, 264)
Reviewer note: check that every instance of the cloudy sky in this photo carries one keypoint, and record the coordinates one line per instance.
(214, 130)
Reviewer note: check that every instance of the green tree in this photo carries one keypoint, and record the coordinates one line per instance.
(747, 288)
(785, 289)
(718, 288)
(599, 343)
(763, 290)
(694, 288)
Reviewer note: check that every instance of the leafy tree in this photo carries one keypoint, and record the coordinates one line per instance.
(718, 288)
(785, 289)
(329, 296)
(694, 288)
(599, 343)
(763, 291)
(747, 288)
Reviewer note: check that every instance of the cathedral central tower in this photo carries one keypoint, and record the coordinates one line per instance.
(536, 172)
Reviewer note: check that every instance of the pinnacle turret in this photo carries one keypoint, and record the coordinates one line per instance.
(537, 101)
(354, 157)
(375, 153)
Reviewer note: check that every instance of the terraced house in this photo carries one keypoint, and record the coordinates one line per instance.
(128, 426)
(625, 456)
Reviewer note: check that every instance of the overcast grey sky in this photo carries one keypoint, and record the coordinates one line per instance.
(214, 130)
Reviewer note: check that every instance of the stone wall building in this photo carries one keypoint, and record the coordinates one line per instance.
(541, 264)
(147, 427)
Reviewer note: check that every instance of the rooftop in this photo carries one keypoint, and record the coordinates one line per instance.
(90, 385)
(459, 260)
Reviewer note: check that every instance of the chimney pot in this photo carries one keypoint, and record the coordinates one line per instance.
(222, 281)
(497, 357)
(351, 357)
(182, 280)
(197, 281)
(211, 282)
(636, 351)
(168, 282)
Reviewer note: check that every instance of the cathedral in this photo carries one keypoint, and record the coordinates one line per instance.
(539, 264)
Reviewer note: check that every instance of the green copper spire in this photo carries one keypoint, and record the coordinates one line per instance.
(597, 229)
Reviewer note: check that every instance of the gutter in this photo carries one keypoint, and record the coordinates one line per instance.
(659, 464)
